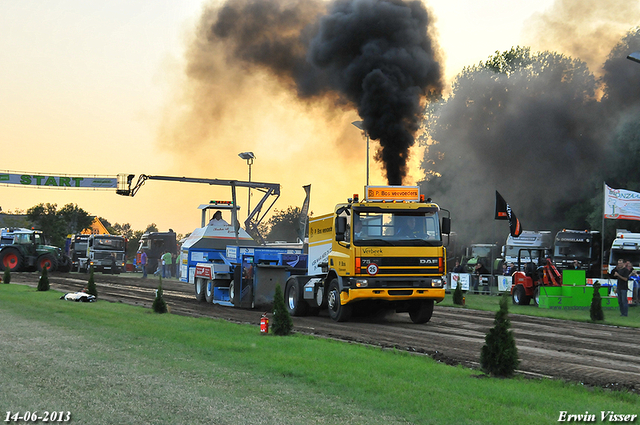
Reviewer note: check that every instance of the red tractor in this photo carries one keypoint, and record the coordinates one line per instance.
(537, 271)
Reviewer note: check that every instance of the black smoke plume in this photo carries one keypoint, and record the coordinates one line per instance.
(379, 55)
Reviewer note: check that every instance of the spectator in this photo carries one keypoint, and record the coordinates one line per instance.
(480, 269)
(143, 264)
(622, 272)
(458, 267)
(167, 265)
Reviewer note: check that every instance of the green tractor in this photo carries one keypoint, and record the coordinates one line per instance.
(26, 250)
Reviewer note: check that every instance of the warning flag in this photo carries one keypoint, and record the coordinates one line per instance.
(504, 212)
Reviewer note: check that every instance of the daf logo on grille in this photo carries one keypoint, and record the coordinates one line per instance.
(429, 261)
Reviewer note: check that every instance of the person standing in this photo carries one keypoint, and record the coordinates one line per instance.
(167, 265)
(143, 263)
(622, 273)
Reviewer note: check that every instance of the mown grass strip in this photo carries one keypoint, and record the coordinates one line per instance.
(119, 363)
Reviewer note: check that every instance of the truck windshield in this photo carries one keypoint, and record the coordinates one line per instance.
(109, 244)
(572, 250)
(396, 229)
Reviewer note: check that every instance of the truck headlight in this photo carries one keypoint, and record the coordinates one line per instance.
(436, 283)
(362, 283)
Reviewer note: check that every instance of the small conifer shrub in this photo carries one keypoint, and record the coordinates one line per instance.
(91, 285)
(499, 355)
(43, 283)
(159, 304)
(457, 294)
(595, 311)
(282, 322)
(7, 276)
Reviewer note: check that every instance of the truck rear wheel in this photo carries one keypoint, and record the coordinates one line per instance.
(520, 296)
(11, 260)
(338, 312)
(293, 299)
(47, 261)
(199, 288)
(421, 311)
(208, 291)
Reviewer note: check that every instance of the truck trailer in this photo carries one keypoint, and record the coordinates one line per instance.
(385, 252)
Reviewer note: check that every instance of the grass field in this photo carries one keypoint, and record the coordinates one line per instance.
(109, 363)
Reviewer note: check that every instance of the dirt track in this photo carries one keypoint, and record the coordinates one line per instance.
(598, 355)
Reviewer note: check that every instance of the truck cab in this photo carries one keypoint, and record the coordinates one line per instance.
(386, 251)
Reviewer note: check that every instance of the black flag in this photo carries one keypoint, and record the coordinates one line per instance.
(504, 212)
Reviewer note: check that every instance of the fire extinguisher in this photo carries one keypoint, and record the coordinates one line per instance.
(264, 324)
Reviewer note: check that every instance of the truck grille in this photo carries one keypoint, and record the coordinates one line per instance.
(402, 266)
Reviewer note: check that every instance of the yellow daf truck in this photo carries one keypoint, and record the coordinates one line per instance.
(386, 252)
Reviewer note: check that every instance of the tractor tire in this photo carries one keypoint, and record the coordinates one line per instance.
(208, 291)
(520, 296)
(536, 296)
(47, 261)
(293, 298)
(199, 288)
(65, 264)
(12, 260)
(421, 311)
(338, 312)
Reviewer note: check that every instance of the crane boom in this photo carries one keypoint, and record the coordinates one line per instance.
(254, 218)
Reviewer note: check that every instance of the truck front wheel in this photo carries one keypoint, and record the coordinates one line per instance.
(421, 311)
(47, 261)
(293, 299)
(338, 312)
(11, 260)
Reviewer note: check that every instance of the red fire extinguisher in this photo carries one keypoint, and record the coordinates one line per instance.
(264, 324)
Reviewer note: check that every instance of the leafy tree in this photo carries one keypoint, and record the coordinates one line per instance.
(153, 227)
(124, 230)
(282, 322)
(57, 224)
(283, 225)
(499, 355)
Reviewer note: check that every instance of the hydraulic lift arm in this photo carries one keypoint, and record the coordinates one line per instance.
(255, 216)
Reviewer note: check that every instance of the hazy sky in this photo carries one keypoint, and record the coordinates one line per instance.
(97, 88)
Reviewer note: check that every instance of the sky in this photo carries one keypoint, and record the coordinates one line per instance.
(101, 88)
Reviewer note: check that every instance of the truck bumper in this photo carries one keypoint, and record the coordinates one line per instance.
(391, 294)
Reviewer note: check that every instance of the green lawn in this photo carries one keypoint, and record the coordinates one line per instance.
(115, 363)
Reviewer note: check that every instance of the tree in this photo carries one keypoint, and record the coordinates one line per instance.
(57, 224)
(282, 322)
(499, 355)
(43, 282)
(524, 122)
(457, 294)
(159, 304)
(595, 311)
(283, 225)
(91, 284)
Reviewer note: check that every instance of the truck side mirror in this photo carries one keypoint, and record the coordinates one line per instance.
(341, 228)
(446, 225)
